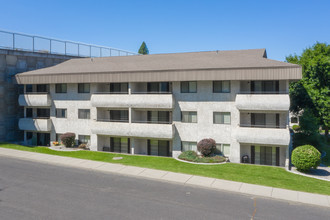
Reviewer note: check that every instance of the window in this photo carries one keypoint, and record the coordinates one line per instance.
(294, 120)
(119, 115)
(265, 86)
(120, 145)
(29, 112)
(189, 117)
(29, 88)
(43, 113)
(60, 113)
(83, 139)
(221, 117)
(61, 88)
(221, 86)
(158, 87)
(42, 88)
(83, 113)
(119, 88)
(223, 149)
(83, 88)
(188, 87)
(185, 146)
(159, 117)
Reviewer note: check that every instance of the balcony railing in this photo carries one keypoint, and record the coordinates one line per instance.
(152, 122)
(263, 126)
(263, 92)
(269, 136)
(34, 99)
(109, 100)
(35, 124)
(113, 120)
(164, 131)
(267, 102)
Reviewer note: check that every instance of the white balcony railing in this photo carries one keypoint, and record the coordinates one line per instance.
(34, 124)
(269, 136)
(273, 102)
(142, 130)
(161, 101)
(34, 99)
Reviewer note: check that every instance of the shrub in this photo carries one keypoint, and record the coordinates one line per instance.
(188, 155)
(206, 147)
(68, 139)
(296, 127)
(306, 157)
(193, 157)
(82, 146)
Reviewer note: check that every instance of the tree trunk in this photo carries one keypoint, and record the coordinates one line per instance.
(326, 131)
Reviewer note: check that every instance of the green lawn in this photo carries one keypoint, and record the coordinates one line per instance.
(262, 175)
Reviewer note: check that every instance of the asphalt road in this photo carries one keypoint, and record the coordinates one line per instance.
(31, 190)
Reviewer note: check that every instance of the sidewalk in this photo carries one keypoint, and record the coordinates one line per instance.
(178, 178)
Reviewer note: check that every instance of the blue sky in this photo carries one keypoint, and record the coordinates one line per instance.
(282, 27)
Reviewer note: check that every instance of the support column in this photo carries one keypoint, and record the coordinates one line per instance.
(132, 141)
(94, 142)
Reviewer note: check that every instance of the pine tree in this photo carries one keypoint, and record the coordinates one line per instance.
(143, 49)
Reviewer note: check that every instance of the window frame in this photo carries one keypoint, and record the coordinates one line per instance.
(182, 112)
(222, 90)
(86, 110)
(222, 114)
(84, 139)
(189, 87)
(61, 109)
(82, 88)
(59, 88)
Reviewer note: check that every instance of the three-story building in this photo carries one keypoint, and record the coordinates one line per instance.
(164, 104)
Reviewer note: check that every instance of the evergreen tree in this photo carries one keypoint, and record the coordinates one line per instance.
(143, 49)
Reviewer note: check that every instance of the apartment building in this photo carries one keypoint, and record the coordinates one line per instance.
(164, 104)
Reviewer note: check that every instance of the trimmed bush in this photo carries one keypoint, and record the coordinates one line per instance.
(295, 127)
(193, 157)
(188, 155)
(207, 147)
(306, 157)
(68, 139)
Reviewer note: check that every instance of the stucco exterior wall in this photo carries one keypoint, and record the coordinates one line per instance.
(204, 102)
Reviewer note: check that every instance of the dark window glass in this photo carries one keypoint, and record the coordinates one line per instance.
(83, 139)
(60, 113)
(28, 88)
(61, 88)
(189, 87)
(119, 88)
(43, 113)
(83, 88)
(119, 115)
(42, 88)
(29, 112)
(83, 113)
(221, 86)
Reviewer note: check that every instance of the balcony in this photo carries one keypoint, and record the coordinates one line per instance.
(258, 135)
(34, 99)
(108, 100)
(264, 102)
(143, 130)
(35, 124)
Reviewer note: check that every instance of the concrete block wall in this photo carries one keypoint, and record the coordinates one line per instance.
(11, 63)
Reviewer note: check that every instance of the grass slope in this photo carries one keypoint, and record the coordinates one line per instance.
(261, 175)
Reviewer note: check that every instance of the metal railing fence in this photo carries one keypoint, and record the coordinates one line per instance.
(34, 43)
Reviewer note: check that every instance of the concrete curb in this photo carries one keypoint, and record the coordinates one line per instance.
(177, 178)
(184, 161)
